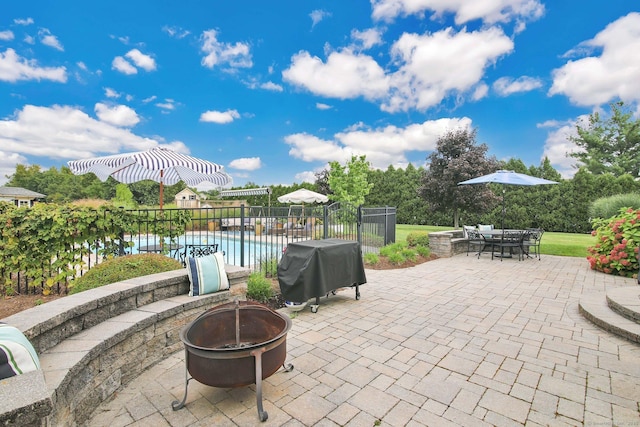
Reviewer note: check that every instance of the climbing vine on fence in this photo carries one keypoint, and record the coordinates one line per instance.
(49, 243)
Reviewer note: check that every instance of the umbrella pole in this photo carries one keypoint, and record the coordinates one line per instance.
(504, 208)
(161, 189)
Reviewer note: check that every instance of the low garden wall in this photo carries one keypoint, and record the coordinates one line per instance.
(448, 243)
(93, 343)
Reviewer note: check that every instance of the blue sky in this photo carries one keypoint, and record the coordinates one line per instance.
(275, 90)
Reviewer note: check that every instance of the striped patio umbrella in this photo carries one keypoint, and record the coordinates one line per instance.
(158, 164)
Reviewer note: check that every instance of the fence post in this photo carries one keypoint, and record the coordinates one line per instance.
(359, 225)
(242, 235)
(325, 221)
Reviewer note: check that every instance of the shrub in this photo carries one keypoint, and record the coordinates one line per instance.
(392, 248)
(616, 250)
(259, 287)
(269, 266)
(122, 268)
(423, 251)
(396, 258)
(417, 238)
(409, 254)
(606, 207)
(371, 258)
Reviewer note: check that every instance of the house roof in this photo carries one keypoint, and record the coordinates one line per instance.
(20, 192)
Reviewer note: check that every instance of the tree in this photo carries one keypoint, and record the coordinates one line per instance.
(322, 181)
(458, 158)
(609, 145)
(349, 183)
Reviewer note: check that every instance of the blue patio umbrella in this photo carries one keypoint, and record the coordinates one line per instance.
(507, 178)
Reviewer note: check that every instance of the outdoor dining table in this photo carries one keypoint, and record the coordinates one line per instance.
(504, 238)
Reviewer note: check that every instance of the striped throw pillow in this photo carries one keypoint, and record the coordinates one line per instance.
(17, 355)
(206, 274)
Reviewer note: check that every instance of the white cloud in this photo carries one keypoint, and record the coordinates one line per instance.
(506, 86)
(176, 32)
(150, 99)
(271, 86)
(557, 145)
(26, 21)
(48, 39)
(6, 35)
(383, 146)
(29, 39)
(8, 162)
(117, 115)
(366, 39)
(429, 67)
(141, 60)
(220, 117)
(14, 68)
(317, 16)
(64, 132)
(236, 55)
(321, 106)
(464, 10)
(168, 104)
(111, 93)
(124, 66)
(306, 176)
(345, 75)
(247, 163)
(480, 91)
(595, 80)
(435, 65)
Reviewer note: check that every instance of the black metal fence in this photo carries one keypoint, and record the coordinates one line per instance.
(253, 237)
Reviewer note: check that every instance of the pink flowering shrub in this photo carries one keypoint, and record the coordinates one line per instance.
(616, 250)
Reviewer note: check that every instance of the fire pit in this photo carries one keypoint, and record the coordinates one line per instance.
(234, 345)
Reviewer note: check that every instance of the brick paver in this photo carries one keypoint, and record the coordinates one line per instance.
(457, 341)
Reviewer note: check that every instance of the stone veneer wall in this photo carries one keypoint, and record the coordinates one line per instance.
(448, 243)
(93, 343)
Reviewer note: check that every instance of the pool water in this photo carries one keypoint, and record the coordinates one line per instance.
(254, 251)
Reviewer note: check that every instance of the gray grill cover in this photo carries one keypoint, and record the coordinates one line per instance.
(314, 268)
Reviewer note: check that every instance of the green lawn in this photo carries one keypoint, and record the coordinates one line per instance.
(563, 244)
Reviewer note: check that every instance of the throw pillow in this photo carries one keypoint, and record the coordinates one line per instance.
(206, 274)
(17, 355)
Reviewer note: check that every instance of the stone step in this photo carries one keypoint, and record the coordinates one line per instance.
(626, 301)
(595, 309)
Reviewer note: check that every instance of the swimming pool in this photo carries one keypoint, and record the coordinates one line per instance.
(253, 250)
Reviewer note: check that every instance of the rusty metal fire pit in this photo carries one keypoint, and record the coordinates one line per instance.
(234, 345)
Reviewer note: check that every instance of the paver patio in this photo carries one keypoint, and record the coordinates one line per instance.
(453, 342)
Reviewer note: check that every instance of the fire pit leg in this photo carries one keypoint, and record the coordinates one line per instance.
(175, 405)
(257, 354)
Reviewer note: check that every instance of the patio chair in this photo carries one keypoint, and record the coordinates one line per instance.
(193, 251)
(475, 239)
(531, 242)
(509, 240)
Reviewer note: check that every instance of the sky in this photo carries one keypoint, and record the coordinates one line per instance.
(274, 90)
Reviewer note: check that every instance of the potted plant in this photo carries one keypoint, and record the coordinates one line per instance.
(258, 227)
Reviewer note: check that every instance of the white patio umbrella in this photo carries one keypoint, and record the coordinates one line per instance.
(303, 195)
(507, 178)
(158, 164)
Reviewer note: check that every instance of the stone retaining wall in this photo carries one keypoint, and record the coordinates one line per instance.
(95, 342)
